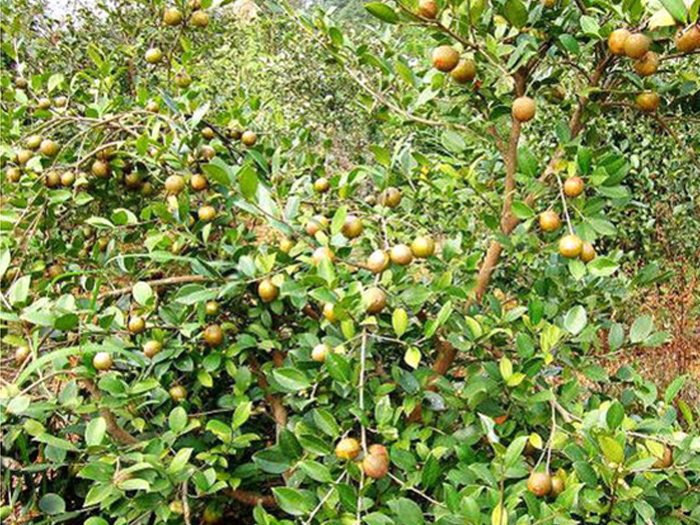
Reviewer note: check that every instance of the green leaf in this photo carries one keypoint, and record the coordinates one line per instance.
(409, 511)
(576, 319)
(19, 291)
(339, 219)
(399, 320)
(177, 420)
(516, 13)
(180, 460)
(296, 502)
(95, 431)
(522, 211)
(602, 267)
(325, 421)
(615, 415)
(506, 368)
(142, 293)
(612, 450)
(291, 379)
(52, 504)
(248, 181)
(676, 9)
(641, 328)
(674, 388)
(383, 12)
(316, 471)
(241, 414)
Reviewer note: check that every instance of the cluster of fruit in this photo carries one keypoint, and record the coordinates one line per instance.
(375, 462)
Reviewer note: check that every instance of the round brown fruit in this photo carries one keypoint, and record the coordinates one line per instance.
(102, 361)
(587, 252)
(648, 101)
(153, 55)
(445, 58)
(347, 448)
(178, 393)
(23, 156)
(375, 466)
(378, 450)
(316, 224)
(208, 152)
(352, 227)
(666, 460)
(182, 80)
(211, 308)
(21, 354)
(67, 179)
(199, 19)
(33, 142)
(647, 65)
(198, 182)
(423, 247)
(374, 300)
(267, 291)
(573, 187)
(464, 71)
(152, 106)
(172, 16)
(208, 133)
(133, 181)
(322, 253)
(152, 347)
(213, 335)
(13, 174)
(212, 515)
(378, 261)
(523, 109)
(636, 45)
(539, 483)
(390, 197)
(137, 324)
(428, 9)
(206, 213)
(61, 102)
(320, 352)
(174, 184)
(49, 148)
(688, 40)
(321, 185)
(549, 4)
(52, 179)
(401, 254)
(570, 246)
(21, 83)
(43, 103)
(616, 41)
(549, 221)
(100, 169)
(249, 138)
(558, 486)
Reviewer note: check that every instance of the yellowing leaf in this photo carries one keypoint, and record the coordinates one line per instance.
(412, 357)
(661, 18)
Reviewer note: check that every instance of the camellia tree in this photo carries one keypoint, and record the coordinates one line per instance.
(208, 326)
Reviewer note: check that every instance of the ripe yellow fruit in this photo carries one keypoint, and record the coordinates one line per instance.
(152, 347)
(152, 106)
(33, 142)
(249, 138)
(549, 221)
(182, 80)
(347, 448)
(21, 354)
(320, 352)
(587, 252)
(198, 182)
(100, 169)
(178, 393)
(23, 156)
(174, 184)
(211, 308)
(637, 45)
(666, 460)
(375, 466)
(558, 486)
(352, 227)
(61, 102)
(523, 109)
(154, 55)
(200, 19)
(328, 312)
(428, 9)
(52, 179)
(573, 187)
(137, 324)
(207, 152)
(647, 65)
(172, 16)
(570, 246)
(390, 197)
(321, 185)
(49, 148)
(423, 247)
(102, 361)
(206, 213)
(316, 224)
(648, 101)
(13, 174)
(378, 261)
(616, 41)
(286, 245)
(213, 335)
(539, 483)
(208, 133)
(688, 40)
(401, 254)
(267, 291)
(67, 179)
(445, 58)
(374, 300)
(464, 71)
(322, 253)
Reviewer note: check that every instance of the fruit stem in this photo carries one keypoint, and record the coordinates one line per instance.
(563, 203)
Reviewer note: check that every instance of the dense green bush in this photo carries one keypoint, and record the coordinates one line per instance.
(218, 309)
